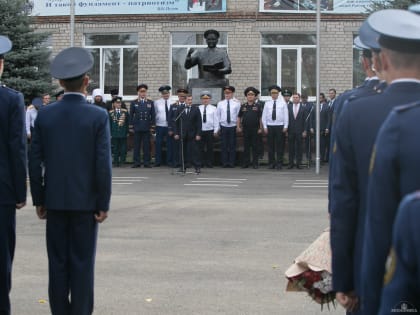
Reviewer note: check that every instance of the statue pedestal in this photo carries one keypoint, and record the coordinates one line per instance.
(215, 87)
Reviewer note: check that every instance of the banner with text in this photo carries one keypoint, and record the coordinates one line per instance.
(309, 6)
(101, 7)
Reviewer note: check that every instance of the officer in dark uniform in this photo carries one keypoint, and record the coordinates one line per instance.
(402, 282)
(12, 174)
(76, 197)
(142, 116)
(249, 123)
(356, 131)
(119, 119)
(188, 132)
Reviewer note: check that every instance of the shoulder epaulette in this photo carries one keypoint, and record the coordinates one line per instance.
(9, 89)
(406, 107)
(124, 110)
(111, 111)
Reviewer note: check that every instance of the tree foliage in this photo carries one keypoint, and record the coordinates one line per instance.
(390, 4)
(27, 64)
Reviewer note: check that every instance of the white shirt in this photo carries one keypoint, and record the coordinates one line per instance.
(212, 122)
(282, 114)
(296, 108)
(160, 112)
(234, 106)
(31, 115)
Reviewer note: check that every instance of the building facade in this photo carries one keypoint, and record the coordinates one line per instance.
(265, 47)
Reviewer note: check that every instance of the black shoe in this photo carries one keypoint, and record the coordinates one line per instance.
(147, 166)
(245, 166)
(279, 167)
(209, 166)
(197, 170)
(271, 167)
(156, 165)
(255, 166)
(135, 166)
(291, 166)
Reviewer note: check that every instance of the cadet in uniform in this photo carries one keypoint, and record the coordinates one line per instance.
(275, 121)
(249, 123)
(227, 114)
(120, 120)
(210, 128)
(75, 198)
(142, 115)
(402, 280)
(162, 106)
(12, 174)
(356, 131)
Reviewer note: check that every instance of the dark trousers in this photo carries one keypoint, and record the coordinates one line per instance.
(327, 148)
(71, 247)
(250, 145)
(295, 148)
(119, 150)
(161, 137)
(275, 139)
(206, 148)
(308, 149)
(176, 144)
(323, 146)
(228, 146)
(191, 152)
(260, 145)
(7, 251)
(141, 137)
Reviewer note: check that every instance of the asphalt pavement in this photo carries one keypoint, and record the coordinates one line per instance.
(214, 243)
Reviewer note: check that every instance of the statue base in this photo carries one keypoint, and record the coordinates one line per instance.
(215, 87)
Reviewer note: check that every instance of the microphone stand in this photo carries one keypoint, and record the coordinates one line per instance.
(181, 139)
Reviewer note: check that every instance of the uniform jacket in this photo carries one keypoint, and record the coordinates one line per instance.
(142, 115)
(173, 109)
(324, 117)
(356, 130)
(191, 123)
(119, 123)
(71, 140)
(12, 147)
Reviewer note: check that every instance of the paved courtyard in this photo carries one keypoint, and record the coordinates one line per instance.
(216, 243)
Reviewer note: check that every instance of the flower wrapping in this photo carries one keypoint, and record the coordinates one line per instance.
(311, 271)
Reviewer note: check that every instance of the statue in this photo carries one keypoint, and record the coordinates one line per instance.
(213, 64)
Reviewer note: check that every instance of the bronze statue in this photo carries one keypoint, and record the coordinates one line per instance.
(213, 63)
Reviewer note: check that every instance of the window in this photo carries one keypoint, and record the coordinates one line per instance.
(288, 60)
(115, 62)
(181, 43)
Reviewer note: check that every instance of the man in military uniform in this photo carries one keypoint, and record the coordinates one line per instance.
(188, 132)
(162, 106)
(12, 174)
(75, 198)
(227, 114)
(395, 164)
(249, 123)
(210, 128)
(275, 121)
(143, 117)
(356, 130)
(173, 117)
(119, 119)
(287, 94)
(401, 282)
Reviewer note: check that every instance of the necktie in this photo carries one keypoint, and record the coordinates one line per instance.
(166, 110)
(118, 113)
(228, 113)
(204, 114)
(273, 114)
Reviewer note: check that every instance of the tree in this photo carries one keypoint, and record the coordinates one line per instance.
(391, 4)
(27, 65)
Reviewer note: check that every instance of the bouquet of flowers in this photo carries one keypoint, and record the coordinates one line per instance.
(311, 271)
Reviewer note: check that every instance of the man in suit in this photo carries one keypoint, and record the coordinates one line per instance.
(356, 130)
(324, 125)
(12, 174)
(188, 131)
(143, 118)
(75, 198)
(309, 109)
(296, 131)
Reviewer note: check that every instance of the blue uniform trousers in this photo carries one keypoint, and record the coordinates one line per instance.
(228, 146)
(7, 250)
(141, 137)
(71, 247)
(161, 136)
(206, 148)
